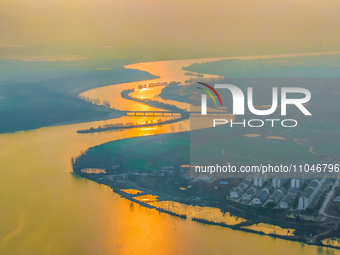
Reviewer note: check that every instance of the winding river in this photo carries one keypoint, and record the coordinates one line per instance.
(46, 210)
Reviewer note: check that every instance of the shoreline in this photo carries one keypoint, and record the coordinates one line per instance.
(95, 130)
(126, 94)
(113, 115)
(315, 240)
(163, 197)
(110, 116)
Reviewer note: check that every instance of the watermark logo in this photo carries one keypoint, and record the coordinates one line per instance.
(204, 97)
(239, 101)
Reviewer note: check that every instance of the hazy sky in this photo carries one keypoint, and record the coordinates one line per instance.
(171, 28)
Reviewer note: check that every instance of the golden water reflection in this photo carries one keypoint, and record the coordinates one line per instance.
(276, 137)
(146, 198)
(132, 191)
(46, 210)
(252, 135)
(168, 71)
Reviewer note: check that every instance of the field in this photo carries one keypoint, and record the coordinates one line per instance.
(141, 153)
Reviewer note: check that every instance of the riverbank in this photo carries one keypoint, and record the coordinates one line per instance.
(36, 182)
(35, 102)
(118, 186)
(135, 164)
(126, 94)
(101, 129)
(251, 217)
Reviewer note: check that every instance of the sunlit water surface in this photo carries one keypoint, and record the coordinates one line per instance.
(46, 210)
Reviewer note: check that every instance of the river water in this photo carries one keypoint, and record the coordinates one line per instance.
(46, 210)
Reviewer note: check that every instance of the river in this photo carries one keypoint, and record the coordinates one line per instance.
(46, 210)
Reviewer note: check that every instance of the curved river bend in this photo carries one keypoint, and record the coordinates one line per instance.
(46, 210)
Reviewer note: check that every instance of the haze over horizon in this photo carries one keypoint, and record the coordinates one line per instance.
(153, 29)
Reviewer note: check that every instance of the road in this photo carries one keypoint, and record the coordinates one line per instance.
(329, 196)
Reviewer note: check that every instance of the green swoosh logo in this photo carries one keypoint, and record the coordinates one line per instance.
(208, 92)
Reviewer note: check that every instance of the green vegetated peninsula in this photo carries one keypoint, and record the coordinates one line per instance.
(147, 153)
(158, 168)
